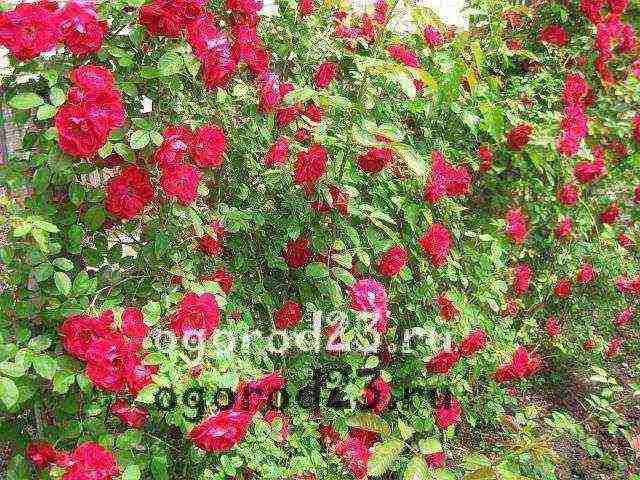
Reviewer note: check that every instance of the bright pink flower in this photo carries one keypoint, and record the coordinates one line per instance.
(133, 326)
(181, 183)
(195, 315)
(446, 179)
(325, 73)
(591, 9)
(432, 36)
(392, 261)
(128, 193)
(90, 461)
(436, 243)
(252, 395)
(288, 316)
(435, 460)
(355, 454)
(516, 226)
(277, 154)
(305, 7)
(133, 416)
(209, 143)
(613, 347)
(568, 195)
(610, 214)
(30, 29)
(623, 318)
(369, 295)
(82, 32)
(586, 274)
(404, 55)
(552, 327)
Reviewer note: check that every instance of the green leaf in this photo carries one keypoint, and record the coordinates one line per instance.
(46, 112)
(370, 422)
(125, 151)
(94, 217)
(316, 270)
(57, 96)
(45, 366)
(151, 313)
(43, 271)
(63, 264)
(139, 139)
(416, 469)
(24, 101)
(170, 64)
(132, 472)
(413, 160)
(384, 455)
(62, 381)
(8, 392)
(63, 283)
(147, 394)
(406, 431)
(41, 178)
(39, 343)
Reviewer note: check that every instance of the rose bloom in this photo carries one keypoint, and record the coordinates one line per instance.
(436, 244)
(223, 278)
(197, 315)
(447, 412)
(375, 159)
(128, 193)
(586, 274)
(623, 318)
(134, 417)
(586, 172)
(30, 29)
(177, 141)
(516, 225)
(519, 136)
(486, 158)
(377, 395)
(324, 74)
(313, 112)
(209, 143)
(221, 431)
(42, 454)
(448, 310)
(355, 454)
(624, 241)
(568, 195)
(181, 183)
(310, 165)
(523, 364)
(369, 295)
(432, 36)
(522, 279)
(392, 261)
(474, 342)
(554, 34)
(562, 288)
(89, 461)
(444, 360)
(277, 154)
(170, 17)
(288, 316)
(446, 179)
(252, 395)
(563, 228)
(82, 130)
(297, 253)
(305, 7)
(613, 347)
(82, 32)
(435, 460)
(610, 214)
(553, 327)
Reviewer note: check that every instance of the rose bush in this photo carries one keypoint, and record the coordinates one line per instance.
(467, 201)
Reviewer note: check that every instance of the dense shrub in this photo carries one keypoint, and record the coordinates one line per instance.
(454, 212)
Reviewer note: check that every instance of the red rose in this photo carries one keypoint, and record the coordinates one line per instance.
(136, 374)
(277, 154)
(369, 295)
(355, 454)
(170, 17)
(375, 159)
(562, 288)
(310, 165)
(80, 332)
(297, 253)
(222, 278)
(377, 395)
(82, 32)
(473, 342)
(553, 327)
(623, 318)
(81, 129)
(305, 7)
(245, 7)
(177, 142)
(404, 55)
(613, 347)
(217, 69)
(195, 314)
(133, 326)
(30, 29)
(522, 280)
(392, 261)
(523, 364)
(554, 34)
(624, 241)
(563, 228)
(288, 316)
(324, 74)
(435, 460)
(446, 179)
(135, 417)
(610, 214)
(586, 172)
(90, 461)
(313, 112)
(568, 195)
(636, 128)
(436, 243)
(486, 158)
(222, 431)
(444, 360)
(301, 135)
(128, 193)
(253, 395)
(41, 454)
(181, 183)
(519, 136)
(210, 246)
(586, 273)
(447, 412)
(516, 225)
(448, 310)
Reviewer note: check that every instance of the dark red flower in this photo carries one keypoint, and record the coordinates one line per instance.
(404, 55)
(436, 243)
(377, 395)
(610, 214)
(222, 278)
(128, 193)
(446, 179)
(624, 241)
(42, 454)
(221, 431)
(209, 143)
(519, 136)
(310, 165)
(586, 273)
(586, 172)
(554, 34)
(613, 347)
(444, 360)
(552, 327)
(392, 261)
(486, 158)
(324, 74)
(522, 280)
(313, 112)
(251, 396)
(82, 32)
(288, 316)
(447, 411)
(474, 342)
(375, 159)
(169, 18)
(177, 141)
(297, 253)
(523, 364)
(448, 310)
(568, 195)
(82, 130)
(435, 460)
(562, 288)
(277, 154)
(80, 332)
(130, 415)
(516, 226)
(563, 228)
(197, 315)
(181, 183)
(30, 29)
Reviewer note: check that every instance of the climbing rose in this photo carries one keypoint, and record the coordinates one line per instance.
(181, 183)
(128, 193)
(369, 295)
(636, 128)
(355, 454)
(90, 461)
(486, 158)
(516, 226)
(586, 273)
(447, 411)
(169, 18)
(310, 165)
(522, 280)
(523, 364)
(552, 326)
(177, 141)
(305, 7)
(563, 228)
(568, 195)
(82, 32)
(446, 179)
(586, 172)
(375, 159)
(448, 310)
(324, 74)
(81, 129)
(222, 278)
(377, 395)
(519, 136)
(296, 253)
(473, 342)
(554, 34)
(195, 315)
(277, 154)
(404, 55)
(30, 29)
(613, 347)
(288, 316)
(245, 7)
(42, 454)
(610, 214)
(221, 431)
(134, 417)
(392, 261)
(562, 288)
(624, 241)
(623, 318)
(81, 332)
(432, 36)
(209, 143)
(444, 360)
(436, 243)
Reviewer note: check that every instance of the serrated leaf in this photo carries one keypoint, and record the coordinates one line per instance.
(406, 431)
(384, 455)
(484, 473)
(139, 139)
(63, 283)
(370, 422)
(416, 469)
(45, 366)
(24, 101)
(57, 96)
(132, 472)
(170, 64)
(316, 270)
(45, 112)
(9, 393)
(62, 381)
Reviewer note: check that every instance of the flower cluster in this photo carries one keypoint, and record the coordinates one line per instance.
(574, 121)
(88, 460)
